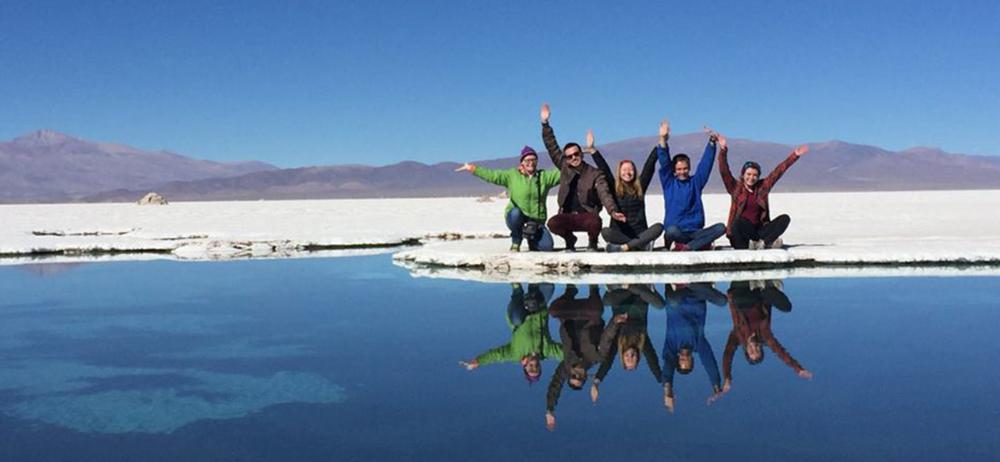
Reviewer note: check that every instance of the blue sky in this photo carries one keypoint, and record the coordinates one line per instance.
(307, 83)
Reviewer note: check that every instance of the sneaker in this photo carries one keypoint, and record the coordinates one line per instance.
(678, 247)
(777, 244)
(649, 247)
(756, 245)
(610, 248)
(570, 249)
(592, 246)
(707, 247)
(515, 247)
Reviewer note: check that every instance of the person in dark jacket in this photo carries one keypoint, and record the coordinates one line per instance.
(583, 189)
(632, 342)
(530, 342)
(750, 225)
(630, 195)
(750, 304)
(585, 340)
(684, 214)
(686, 314)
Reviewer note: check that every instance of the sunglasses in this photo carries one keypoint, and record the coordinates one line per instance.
(574, 155)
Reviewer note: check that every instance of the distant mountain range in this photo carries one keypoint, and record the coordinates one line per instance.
(47, 166)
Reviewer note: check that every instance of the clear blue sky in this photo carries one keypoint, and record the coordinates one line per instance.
(305, 83)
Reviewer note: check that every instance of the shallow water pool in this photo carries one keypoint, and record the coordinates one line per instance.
(353, 359)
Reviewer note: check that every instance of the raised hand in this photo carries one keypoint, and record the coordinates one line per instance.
(805, 374)
(727, 385)
(665, 129)
(545, 113)
(550, 421)
(590, 139)
(593, 393)
(466, 167)
(668, 402)
(799, 151)
(469, 365)
(713, 136)
(722, 141)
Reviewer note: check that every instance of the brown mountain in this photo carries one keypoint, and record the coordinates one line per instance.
(86, 171)
(829, 166)
(48, 166)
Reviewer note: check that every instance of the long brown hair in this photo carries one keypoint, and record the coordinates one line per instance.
(631, 188)
(629, 341)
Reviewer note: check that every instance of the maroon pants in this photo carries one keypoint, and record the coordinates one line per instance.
(564, 224)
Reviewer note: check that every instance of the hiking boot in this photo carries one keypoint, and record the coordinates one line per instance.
(592, 246)
(707, 247)
(649, 247)
(756, 245)
(515, 247)
(570, 249)
(678, 247)
(777, 244)
(611, 248)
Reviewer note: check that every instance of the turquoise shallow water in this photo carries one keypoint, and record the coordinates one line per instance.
(352, 359)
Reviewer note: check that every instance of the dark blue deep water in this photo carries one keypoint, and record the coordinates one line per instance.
(352, 359)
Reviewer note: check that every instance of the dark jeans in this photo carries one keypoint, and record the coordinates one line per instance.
(564, 224)
(694, 240)
(743, 232)
(614, 236)
(515, 222)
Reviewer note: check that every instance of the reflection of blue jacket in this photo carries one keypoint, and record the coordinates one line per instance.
(682, 199)
(686, 329)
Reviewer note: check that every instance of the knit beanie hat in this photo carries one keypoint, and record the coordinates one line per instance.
(527, 151)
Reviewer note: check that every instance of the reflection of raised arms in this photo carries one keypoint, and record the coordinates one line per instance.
(779, 350)
(606, 350)
(706, 291)
(552, 395)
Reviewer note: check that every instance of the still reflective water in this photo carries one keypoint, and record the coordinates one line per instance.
(352, 359)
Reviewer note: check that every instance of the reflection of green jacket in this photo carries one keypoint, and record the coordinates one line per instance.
(532, 336)
(523, 190)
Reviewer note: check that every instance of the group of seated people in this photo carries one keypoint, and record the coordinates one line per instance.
(585, 189)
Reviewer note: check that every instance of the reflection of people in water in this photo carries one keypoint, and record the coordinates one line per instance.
(632, 339)
(585, 342)
(686, 313)
(530, 342)
(750, 304)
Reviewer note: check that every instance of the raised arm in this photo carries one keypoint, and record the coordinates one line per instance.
(647, 170)
(549, 138)
(728, 180)
(778, 171)
(662, 150)
(705, 164)
(605, 168)
(727, 359)
(499, 177)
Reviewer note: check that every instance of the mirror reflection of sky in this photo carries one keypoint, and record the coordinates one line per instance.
(352, 359)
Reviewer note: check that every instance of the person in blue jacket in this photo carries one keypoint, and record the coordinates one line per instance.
(684, 215)
(686, 313)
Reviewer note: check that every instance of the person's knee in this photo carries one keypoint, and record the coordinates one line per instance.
(656, 229)
(673, 232)
(607, 234)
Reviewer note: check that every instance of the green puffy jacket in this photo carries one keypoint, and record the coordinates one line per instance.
(523, 190)
(532, 336)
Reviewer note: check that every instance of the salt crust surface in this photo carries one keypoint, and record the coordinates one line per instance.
(924, 227)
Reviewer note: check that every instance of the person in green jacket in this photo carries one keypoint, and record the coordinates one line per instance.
(530, 341)
(527, 186)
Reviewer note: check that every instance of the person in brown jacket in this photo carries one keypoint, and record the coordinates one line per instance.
(582, 190)
(750, 225)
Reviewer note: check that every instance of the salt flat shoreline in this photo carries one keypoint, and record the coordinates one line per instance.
(924, 228)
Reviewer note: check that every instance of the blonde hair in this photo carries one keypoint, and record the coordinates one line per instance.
(631, 188)
(628, 341)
